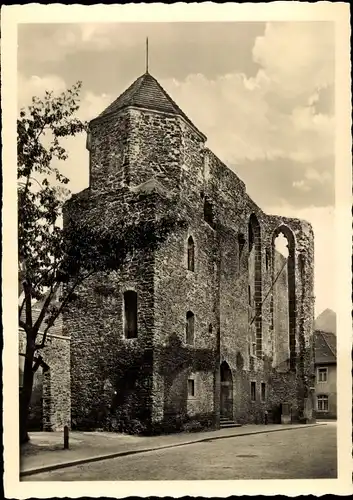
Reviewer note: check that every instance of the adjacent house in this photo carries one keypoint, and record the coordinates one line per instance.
(325, 368)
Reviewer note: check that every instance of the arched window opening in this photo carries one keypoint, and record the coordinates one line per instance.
(208, 212)
(130, 314)
(284, 299)
(210, 328)
(190, 328)
(191, 254)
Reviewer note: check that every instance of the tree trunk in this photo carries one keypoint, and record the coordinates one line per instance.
(26, 393)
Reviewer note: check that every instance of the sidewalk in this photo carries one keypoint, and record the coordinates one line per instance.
(45, 450)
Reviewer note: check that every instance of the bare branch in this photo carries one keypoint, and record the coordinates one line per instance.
(28, 302)
(46, 304)
(23, 325)
(58, 312)
(20, 308)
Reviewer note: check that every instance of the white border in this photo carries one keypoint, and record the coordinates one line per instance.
(335, 11)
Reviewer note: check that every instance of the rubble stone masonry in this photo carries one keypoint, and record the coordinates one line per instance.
(259, 330)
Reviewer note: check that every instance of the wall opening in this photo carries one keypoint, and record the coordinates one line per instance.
(268, 259)
(191, 254)
(284, 299)
(253, 391)
(263, 391)
(255, 282)
(190, 328)
(241, 244)
(208, 212)
(130, 314)
(191, 387)
(226, 408)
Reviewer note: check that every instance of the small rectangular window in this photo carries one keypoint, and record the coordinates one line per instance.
(322, 374)
(191, 387)
(322, 403)
(253, 391)
(130, 314)
(263, 391)
(190, 328)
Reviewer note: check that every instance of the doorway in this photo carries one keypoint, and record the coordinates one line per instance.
(226, 410)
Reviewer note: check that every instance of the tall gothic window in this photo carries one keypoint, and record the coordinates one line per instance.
(191, 254)
(130, 314)
(190, 328)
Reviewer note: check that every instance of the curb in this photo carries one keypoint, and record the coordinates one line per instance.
(97, 458)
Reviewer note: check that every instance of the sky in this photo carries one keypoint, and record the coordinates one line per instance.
(262, 93)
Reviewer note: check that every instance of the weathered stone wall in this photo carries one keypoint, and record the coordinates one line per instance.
(55, 391)
(108, 146)
(111, 376)
(177, 291)
(217, 291)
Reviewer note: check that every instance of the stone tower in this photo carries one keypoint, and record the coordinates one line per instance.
(192, 331)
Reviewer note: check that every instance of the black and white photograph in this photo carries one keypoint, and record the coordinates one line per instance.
(182, 306)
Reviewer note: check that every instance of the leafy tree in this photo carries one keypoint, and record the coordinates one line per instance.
(55, 259)
(41, 193)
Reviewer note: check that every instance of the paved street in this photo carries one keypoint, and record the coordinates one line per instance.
(305, 453)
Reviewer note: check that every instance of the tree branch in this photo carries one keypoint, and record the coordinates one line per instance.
(46, 304)
(20, 308)
(28, 302)
(23, 325)
(63, 304)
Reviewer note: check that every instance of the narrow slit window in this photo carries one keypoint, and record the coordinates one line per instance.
(263, 391)
(191, 254)
(253, 391)
(130, 314)
(190, 328)
(267, 259)
(191, 387)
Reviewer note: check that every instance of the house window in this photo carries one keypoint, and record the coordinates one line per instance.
(208, 212)
(263, 391)
(253, 391)
(191, 254)
(130, 314)
(322, 374)
(190, 327)
(322, 403)
(191, 388)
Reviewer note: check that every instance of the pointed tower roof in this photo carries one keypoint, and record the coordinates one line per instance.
(147, 93)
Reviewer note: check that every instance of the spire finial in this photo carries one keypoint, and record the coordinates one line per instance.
(147, 54)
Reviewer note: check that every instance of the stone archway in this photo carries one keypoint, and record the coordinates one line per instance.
(226, 409)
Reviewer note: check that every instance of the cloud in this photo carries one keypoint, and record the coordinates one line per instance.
(301, 185)
(297, 57)
(36, 86)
